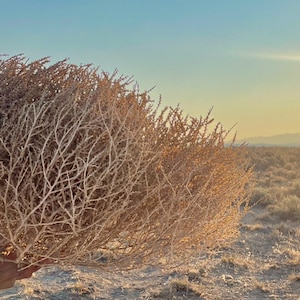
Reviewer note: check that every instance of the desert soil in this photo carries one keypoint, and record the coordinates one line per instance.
(264, 263)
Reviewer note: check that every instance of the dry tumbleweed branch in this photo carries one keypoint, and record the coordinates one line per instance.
(89, 166)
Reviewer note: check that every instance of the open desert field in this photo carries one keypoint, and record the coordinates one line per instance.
(263, 263)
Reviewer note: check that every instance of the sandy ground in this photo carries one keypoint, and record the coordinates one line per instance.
(264, 263)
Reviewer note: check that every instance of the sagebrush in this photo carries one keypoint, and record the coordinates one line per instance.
(90, 166)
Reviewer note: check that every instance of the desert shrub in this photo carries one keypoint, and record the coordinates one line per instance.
(287, 208)
(90, 165)
(260, 196)
(295, 188)
(266, 158)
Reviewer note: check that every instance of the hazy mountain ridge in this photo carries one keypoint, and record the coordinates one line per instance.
(282, 140)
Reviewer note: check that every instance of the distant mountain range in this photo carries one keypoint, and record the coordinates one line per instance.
(281, 140)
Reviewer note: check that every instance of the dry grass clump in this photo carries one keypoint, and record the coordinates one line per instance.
(87, 164)
(262, 286)
(278, 185)
(294, 277)
(261, 196)
(294, 256)
(237, 261)
(181, 288)
(287, 208)
(253, 227)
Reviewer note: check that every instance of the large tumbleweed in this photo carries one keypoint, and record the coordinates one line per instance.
(89, 166)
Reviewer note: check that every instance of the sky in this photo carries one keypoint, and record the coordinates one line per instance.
(240, 57)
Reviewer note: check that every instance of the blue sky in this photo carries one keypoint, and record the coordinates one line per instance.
(240, 57)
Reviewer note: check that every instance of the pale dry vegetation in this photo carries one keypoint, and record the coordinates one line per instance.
(89, 166)
(278, 187)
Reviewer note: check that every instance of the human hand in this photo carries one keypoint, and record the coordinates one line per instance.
(8, 274)
(9, 271)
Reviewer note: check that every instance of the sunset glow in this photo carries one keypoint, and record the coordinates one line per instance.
(240, 57)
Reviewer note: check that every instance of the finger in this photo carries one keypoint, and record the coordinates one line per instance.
(11, 256)
(8, 273)
(27, 272)
(6, 284)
